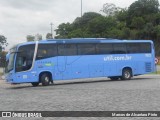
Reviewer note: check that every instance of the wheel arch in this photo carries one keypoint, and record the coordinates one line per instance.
(129, 68)
(45, 72)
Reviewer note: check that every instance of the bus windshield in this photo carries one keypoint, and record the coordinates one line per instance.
(24, 58)
(10, 60)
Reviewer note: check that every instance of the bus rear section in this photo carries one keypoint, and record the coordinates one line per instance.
(138, 59)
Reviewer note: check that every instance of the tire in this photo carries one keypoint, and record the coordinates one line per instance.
(126, 74)
(45, 79)
(114, 78)
(35, 84)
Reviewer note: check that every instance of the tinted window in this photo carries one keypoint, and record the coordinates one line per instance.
(104, 48)
(46, 51)
(67, 49)
(119, 48)
(86, 49)
(133, 48)
(138, 47)
(10, 58)
(145, 47)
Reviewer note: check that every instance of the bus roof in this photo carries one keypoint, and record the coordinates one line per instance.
(85, 40)
(90, 40)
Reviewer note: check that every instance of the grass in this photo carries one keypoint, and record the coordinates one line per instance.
(1, 73)
(158, 72)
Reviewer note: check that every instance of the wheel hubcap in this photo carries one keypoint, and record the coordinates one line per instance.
(46, 79)
(127, 74)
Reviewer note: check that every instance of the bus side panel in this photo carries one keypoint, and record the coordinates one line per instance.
(96, 70)
(26, 76)
(139, 63)
(86, 66)
(79, 67)
(70, 67)
(80, 71)
(110, 68)
(61, 73)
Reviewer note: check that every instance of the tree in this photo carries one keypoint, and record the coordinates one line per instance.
(141, 8)
(115, 33)
(157, 31)
(34, 37)
(38, 37)
(3, 58)
(121, 15)
(77, 33)
(79, 28)
(149, 30)
(63, 30)
(3, 42)
(30, 38)
(137, 23)
(110, 9)
(49, 36)
(126, 33)
(97, 26)
(89, 16)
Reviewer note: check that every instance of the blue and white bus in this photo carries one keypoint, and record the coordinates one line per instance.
(64, 59)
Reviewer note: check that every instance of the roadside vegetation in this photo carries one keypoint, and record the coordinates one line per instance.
(141, 20)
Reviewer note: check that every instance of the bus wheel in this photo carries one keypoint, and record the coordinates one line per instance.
(35, 84)
(114, 78)
(45, 79)
(126, 74)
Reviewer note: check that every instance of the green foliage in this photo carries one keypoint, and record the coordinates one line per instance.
(38, 37)
(122, 15)
(30, 38)
(3, 42)
(49, 36)
(140, 21)
(88, 16)
(143, 7)
(137, 23)
(110, 9)
(34, 37)
(2, 58)
(63, 30)
(157, 31)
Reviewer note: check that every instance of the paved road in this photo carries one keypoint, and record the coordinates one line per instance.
(139, 94)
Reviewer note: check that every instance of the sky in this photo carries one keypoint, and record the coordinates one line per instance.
(19, 18)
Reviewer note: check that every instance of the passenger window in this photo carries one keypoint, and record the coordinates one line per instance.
(119, 48)
(145, 47)
(106, 48)
(86, 49)
(133, 48)
(67, 49)
(46, 51)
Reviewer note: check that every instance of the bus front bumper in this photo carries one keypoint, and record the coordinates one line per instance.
(9, 78)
